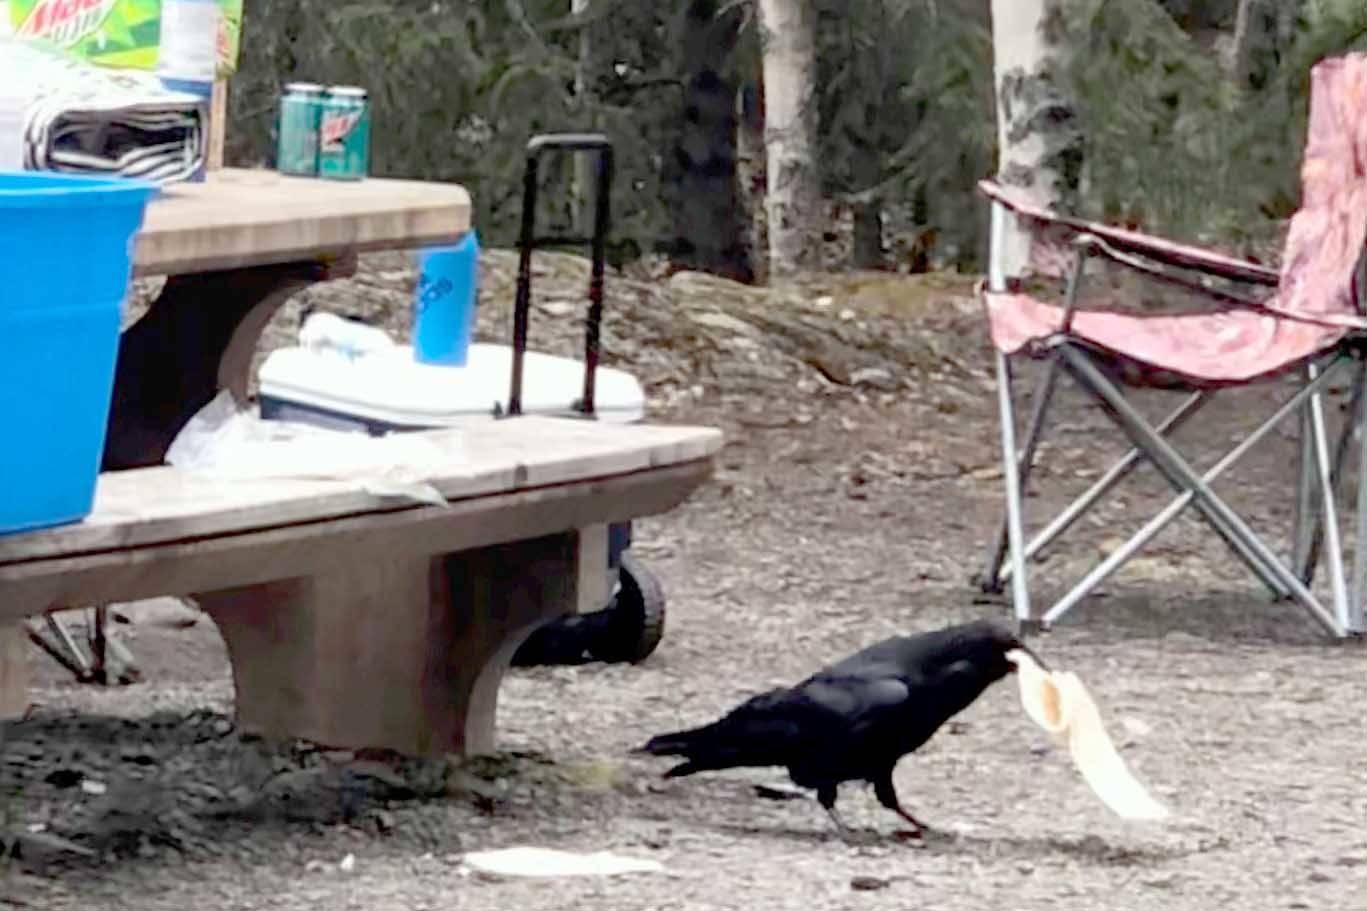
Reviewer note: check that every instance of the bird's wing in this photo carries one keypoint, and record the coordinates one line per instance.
(850, 705)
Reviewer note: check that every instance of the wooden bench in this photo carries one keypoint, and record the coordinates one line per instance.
(350, 620)
(357, 621)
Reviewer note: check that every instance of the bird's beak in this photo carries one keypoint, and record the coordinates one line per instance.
(1021, 646)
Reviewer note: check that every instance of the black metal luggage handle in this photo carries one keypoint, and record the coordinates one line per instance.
(527, 241)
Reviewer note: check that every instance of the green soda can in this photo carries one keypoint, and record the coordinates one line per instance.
(344, 134)
(296, 149)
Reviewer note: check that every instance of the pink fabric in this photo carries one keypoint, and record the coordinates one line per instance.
(1159, 248)
(1314, 303)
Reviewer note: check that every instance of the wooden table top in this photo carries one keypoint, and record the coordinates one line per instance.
(151, 506)
(240, 218)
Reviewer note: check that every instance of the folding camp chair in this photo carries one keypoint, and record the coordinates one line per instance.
(1311, 322)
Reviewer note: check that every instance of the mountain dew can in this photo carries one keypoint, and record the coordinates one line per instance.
(296, 150)
(344, 134)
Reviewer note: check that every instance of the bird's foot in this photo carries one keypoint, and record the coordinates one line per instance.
(915, 838)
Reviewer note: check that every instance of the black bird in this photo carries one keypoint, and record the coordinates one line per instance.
(853, 720)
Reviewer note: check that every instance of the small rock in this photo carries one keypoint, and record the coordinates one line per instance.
(1136, 727)
(869, 883)
(558, 308)
(877, 377)
(725, 322)
(347, 864)
(90, 786)
(64, 778)
(383, 820)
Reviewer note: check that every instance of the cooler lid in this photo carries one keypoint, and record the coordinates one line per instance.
(391, 387)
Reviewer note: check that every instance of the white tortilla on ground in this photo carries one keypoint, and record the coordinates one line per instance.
(529, 861)
(1059, 703)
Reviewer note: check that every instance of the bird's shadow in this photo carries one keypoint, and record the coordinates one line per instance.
(1092, 849)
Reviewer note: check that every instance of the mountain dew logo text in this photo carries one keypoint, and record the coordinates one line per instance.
(65, 22)
(336, 126)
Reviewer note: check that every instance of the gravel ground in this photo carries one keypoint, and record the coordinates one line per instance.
(841, 512)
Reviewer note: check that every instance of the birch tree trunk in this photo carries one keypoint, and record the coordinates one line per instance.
(793, 201)
(1262, 32)
(582, 182)
(1039, 146)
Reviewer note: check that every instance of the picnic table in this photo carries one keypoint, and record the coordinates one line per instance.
(351, 619)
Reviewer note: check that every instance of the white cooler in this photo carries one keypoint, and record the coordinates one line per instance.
(385, 390)
(388, 390)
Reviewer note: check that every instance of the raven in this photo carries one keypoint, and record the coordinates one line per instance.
(853, 720)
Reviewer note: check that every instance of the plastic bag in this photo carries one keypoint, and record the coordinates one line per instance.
(230, 443)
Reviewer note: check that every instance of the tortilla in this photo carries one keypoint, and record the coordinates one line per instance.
(1061, 705)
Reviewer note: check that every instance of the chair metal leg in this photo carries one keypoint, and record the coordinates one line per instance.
(1171, 463)
(1075, 510)
(1174, 469)
(1044, 393)
(1303, 523)
(1329, 507)
(1117, 558)
(1310, 524)
(1020, 596)
(1358, 420)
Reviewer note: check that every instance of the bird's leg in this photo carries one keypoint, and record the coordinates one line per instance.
(887, 795)
(825, 795)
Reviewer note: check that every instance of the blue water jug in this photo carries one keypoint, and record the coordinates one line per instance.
(444, 302)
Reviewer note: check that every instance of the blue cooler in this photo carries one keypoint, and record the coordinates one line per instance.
(67, 242)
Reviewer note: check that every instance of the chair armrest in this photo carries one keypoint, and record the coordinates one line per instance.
(1157, 248)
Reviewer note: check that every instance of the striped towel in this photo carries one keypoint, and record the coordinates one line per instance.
(85, 119)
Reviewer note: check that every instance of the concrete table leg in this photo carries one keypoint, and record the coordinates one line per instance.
(13, 671)
(198, 337)
(392, 651)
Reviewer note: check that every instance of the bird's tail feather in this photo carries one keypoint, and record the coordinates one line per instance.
(728, 743)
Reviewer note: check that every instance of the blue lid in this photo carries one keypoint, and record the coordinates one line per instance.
(27, 189)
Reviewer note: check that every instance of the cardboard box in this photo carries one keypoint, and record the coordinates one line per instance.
(115, 33)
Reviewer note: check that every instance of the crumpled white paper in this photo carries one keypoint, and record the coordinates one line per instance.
(1059, 703)
(528, 861)
(226, 442)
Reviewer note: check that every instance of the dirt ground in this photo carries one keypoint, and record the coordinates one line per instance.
(841, 512)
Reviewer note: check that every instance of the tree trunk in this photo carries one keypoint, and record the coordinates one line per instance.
(1262, 32)
(793, 200)
(709, 226)
(866, 251)
(583, 164)
(751, 173)
(1039, 146)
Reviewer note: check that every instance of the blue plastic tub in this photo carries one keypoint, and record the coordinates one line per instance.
(67, 244)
